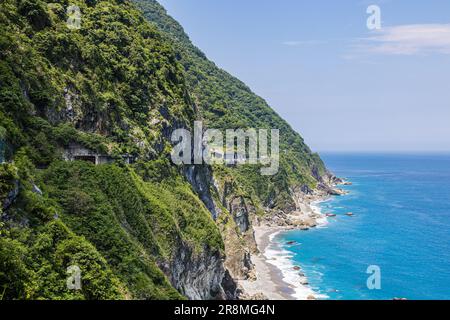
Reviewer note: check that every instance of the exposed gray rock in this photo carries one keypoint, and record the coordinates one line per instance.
(201, 181)
(306, 190)
(12, 196)
(73, 105)
(230, 287)
(238, 209)
(198, 277)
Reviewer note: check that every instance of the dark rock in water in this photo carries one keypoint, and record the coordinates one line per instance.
(290, 242)
(304, 282)
(332, 191)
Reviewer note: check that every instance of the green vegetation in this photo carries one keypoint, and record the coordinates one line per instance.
(36, 247)
(133, 223)
(114, 77)
(226, 103)
(117, 85)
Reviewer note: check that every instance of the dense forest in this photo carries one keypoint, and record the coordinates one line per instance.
(118, 86)
(225, 102)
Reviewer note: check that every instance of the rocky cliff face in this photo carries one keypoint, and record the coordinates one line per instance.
(118, 86)
(237, 230)
(197, 276)
(201, 180)
(111, 87)
(232, 215)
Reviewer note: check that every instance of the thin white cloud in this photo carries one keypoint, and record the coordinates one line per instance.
(408, 40)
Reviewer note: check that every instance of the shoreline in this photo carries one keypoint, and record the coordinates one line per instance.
(273, 281)
(277, 278)
(269, 279)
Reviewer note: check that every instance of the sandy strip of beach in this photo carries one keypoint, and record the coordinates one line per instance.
(276, 279)
(269, 278)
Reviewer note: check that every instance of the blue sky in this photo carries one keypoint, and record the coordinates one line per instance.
(341, 85)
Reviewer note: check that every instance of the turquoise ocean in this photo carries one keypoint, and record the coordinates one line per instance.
(401, 224)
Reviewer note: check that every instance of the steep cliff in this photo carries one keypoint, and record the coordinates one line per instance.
(86, 116)
(224, 102)
(112, 88)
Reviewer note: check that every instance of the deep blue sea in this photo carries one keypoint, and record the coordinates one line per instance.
(401, 223)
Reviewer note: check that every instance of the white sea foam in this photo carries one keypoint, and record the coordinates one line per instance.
(315, 207)
(282, 260)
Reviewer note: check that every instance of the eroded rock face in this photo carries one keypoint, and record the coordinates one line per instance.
(206, 276)
(238, 209)
(238, 206)
(73, 106)
(197, 276)
(12, 195)
(231, 289)
(234, 223)
(201, 181)
(328, 184)
(237, 250)
(237, 231)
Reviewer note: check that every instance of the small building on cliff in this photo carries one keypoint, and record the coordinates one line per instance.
(76, 151)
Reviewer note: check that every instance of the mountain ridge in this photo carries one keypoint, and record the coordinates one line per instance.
(115, 89)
